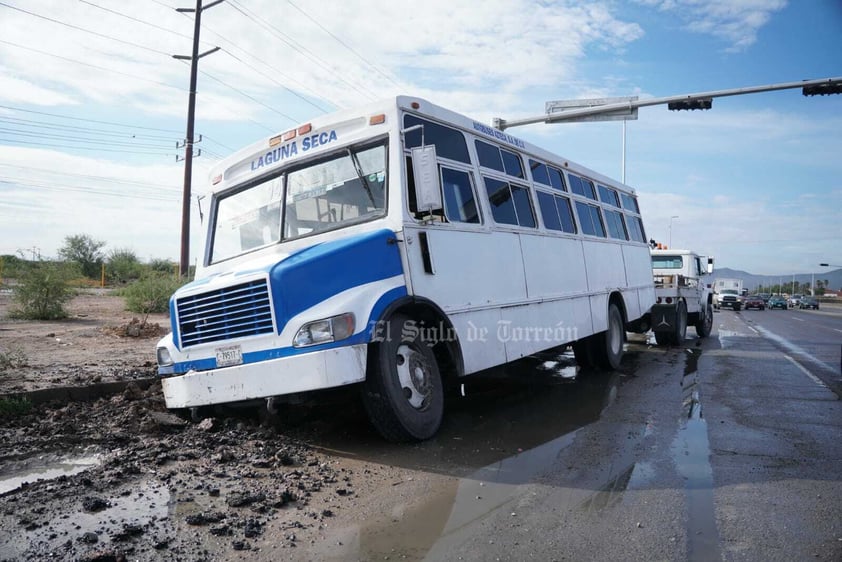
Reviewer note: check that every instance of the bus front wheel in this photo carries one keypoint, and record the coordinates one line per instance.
(403, 392)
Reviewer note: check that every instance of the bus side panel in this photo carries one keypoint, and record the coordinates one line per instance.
(470, 268)
(554, 266)
(605, 274)
(478, 338)
(639, 275)
(528, 329)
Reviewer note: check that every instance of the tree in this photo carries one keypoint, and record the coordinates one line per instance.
(123, 266)
(84, 251)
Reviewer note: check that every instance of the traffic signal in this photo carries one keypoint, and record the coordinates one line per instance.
(701, 103)
(822, 89)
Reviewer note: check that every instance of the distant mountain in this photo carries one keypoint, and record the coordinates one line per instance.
(751, 281)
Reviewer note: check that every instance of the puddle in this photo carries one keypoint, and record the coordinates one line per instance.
(691, 454)
(140, 511)
(635, 476)
(44, 467)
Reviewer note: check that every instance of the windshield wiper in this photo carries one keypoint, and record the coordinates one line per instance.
(363, 180)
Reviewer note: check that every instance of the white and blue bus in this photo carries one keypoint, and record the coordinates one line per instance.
(400, 246)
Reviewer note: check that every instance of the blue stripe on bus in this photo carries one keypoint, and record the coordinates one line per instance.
(319, 272)
(364, 336)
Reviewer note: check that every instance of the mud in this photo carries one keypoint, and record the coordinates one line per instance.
(122, 478)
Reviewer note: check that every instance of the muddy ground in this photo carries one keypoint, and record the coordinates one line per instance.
(121, 478)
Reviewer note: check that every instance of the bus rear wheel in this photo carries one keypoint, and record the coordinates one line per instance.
(608, 345)
(403, 392)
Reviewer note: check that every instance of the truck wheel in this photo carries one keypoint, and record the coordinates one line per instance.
(680, 323)
(705, 324)
(664, 338)
(403, 393)
(608, 345)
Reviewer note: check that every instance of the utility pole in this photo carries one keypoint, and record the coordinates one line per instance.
(188, 141)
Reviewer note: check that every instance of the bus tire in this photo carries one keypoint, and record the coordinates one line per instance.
(403, 392)
(608, 345)
(583, 351)
(705, 324)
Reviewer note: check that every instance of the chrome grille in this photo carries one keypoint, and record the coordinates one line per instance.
(232, 312)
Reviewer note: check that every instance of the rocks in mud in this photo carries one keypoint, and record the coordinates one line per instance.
(205, 518)
(92, 504)
(166, 419)
(240, 499)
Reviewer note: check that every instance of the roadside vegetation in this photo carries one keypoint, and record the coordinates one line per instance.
(13, 407)
(41, 288)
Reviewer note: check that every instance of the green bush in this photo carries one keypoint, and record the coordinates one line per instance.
(12, 359)
(123, 266)
(42, 291)
(151, 294)
(11, 407)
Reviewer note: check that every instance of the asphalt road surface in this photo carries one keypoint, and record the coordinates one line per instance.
(726, 448)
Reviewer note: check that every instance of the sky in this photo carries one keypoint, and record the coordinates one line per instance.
(93, 106)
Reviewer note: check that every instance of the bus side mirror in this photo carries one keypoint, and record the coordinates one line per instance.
(426, 171)
(710, 265)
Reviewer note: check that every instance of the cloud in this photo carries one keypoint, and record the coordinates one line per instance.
(735, 22)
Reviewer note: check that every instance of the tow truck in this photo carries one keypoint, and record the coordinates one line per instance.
(683, 294)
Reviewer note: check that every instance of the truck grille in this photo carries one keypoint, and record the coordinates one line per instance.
(233, 312)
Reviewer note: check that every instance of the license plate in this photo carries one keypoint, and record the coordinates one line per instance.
(230, 355)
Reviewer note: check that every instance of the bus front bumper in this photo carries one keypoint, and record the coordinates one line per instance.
(273, 377)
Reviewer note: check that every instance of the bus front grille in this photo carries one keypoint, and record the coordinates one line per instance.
(223, 314)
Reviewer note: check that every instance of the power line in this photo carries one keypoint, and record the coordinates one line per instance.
(89, 120)
(89, 64)
(122, 15)
(78, 139)
(109, 179)
(341, 42)
(70, 25)
(88, 130)
(291, 43)
(47, 145)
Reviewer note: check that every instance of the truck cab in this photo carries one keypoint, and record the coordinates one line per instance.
(683, 294)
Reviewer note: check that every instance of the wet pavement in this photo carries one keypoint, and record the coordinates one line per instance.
(718, 449)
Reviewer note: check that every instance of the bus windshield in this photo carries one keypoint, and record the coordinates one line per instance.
(346, 188)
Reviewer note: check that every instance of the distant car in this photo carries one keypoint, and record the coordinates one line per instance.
(794, 300)
(808, 302)
(754, 301)
(765, 297)
(777, 302)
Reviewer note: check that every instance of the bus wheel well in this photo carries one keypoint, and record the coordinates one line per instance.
(437, 330)
(617, 299)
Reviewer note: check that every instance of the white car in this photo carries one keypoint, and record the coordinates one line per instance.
(794, 301)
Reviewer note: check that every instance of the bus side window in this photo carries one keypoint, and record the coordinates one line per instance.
(460, 203)
(590, 219)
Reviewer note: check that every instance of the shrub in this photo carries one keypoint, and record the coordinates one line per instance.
(42, 291)
(10, 407)
(123, 266)
(151, 294)
(12, 359)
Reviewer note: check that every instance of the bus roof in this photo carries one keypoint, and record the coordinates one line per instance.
(248, 162)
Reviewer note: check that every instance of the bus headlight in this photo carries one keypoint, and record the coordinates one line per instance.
(327, 330)
(164, 357)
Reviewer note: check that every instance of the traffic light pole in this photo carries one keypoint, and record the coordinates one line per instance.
(702, 100)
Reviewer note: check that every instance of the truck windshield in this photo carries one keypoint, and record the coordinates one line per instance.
(666, 262)
(346, 188)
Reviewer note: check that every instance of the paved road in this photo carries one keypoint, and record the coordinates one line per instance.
(727, 448)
